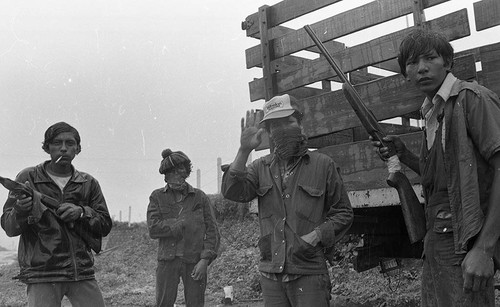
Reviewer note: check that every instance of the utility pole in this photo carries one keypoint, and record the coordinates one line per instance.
(219, 174)
(198, 178)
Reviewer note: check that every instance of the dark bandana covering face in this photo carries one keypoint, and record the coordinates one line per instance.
(289, 142)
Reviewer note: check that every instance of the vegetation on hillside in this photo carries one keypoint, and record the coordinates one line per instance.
(126, 270)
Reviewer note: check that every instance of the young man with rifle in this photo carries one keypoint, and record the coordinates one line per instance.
(459, 165)
(303, 205)
(60, 214)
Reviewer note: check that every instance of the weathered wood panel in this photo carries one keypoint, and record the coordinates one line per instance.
(342, 24)
(487, 14)
(387, 98)
(361, 168)
(454, 26)
(255, 52)
(285, 11)
(490, 60)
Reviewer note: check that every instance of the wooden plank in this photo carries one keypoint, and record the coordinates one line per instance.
(490, 62)
(342, 24)
(387, 98)
(360, 166)
(360, 133)
(285, 11)
(487, 14)
(266, 51)
(362, 76)
(454, 26)
(333, 46)
(390, 65)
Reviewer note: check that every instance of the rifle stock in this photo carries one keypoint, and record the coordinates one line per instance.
(412, 210)
(17, 188)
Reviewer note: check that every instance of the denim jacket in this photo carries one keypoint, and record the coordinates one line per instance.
(472, 137)
(186, 229)
(317, 199)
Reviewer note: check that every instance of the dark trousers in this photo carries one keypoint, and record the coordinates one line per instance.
(168, 275)
(84, 293)
(306, 291)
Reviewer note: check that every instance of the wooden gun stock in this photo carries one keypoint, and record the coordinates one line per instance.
(18, 189)
(413, 212)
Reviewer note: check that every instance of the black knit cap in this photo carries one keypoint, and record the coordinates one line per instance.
(174, 159)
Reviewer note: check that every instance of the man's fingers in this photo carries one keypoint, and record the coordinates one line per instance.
(477, 284)
(467, 283)
(253, 119)
(259, 115)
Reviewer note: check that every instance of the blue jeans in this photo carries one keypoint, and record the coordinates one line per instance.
(168, 275)
(307, 290)
(80, 293)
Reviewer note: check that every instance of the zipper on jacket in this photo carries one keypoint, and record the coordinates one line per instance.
(67, 230)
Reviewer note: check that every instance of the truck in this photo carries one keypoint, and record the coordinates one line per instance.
(364, 40)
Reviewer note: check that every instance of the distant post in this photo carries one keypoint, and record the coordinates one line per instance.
(219, 174)
(198, 178)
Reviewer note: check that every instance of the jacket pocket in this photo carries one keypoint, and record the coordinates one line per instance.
(305, 252)
(264, 192)
(265, 248)
(308, 200)
(444, 246)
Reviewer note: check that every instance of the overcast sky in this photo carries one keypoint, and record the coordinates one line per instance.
(134, 77)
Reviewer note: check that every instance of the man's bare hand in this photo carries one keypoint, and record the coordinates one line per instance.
(250, 130)
(477, 270)
(200, 269)
(23, 204)
(69, 212)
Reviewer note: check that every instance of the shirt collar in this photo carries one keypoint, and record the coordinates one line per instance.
(443, 93)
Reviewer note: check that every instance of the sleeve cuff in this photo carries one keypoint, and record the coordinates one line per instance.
(327, 234)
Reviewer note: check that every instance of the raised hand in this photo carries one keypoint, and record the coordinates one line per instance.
(250, 130)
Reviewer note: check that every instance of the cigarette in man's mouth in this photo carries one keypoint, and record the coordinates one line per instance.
(59, 159)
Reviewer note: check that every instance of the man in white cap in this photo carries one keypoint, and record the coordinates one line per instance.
(303, 205)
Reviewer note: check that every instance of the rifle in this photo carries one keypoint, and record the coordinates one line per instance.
(413, 212)
(19, 189)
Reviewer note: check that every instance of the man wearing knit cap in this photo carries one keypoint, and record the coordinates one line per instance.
(303, 205)
(55, 256)
(182, 218)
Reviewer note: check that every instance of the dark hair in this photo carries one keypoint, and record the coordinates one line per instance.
(174, 159)
(57, 129)
(420, 42)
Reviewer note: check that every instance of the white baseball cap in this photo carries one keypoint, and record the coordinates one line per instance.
(278, 107)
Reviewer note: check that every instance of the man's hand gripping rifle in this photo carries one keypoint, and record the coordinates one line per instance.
(412, 209)
(18, 189)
